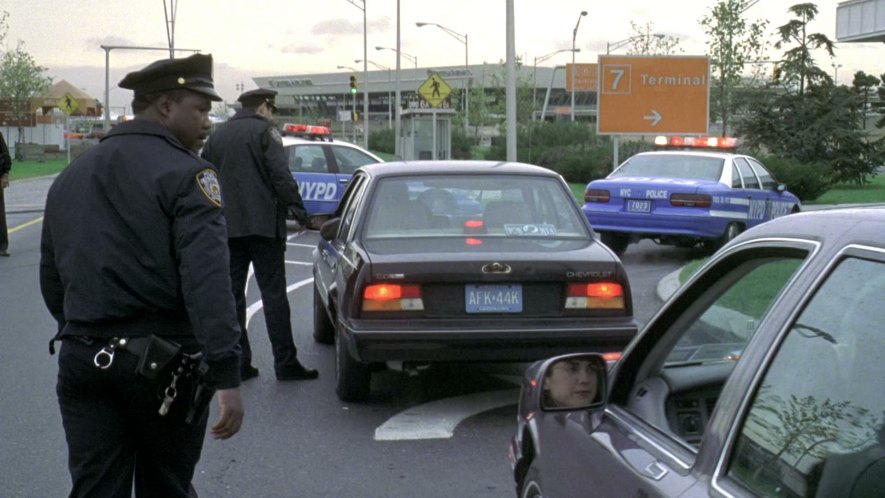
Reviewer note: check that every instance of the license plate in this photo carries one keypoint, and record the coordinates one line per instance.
(639, 206)
(493, 298)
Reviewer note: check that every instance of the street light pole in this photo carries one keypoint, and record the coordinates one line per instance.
(574, 37)
(397, 129)
(389, 106)
(535, 73)
(107, 73)
(463, 39)
(362, 6)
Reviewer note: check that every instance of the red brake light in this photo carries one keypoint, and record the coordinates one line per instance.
(473, 224)
(383, 291)
(612, 356)
(470, 241)
(595, 295)
(392, 297)
(691, 200)
(597, 195)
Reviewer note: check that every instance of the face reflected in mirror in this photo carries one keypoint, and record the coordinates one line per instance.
(573, 382)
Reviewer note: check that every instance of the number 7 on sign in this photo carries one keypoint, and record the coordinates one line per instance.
(616, 79)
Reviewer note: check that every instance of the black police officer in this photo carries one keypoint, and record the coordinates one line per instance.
(258, 192)
(5, 166)
(134, 243)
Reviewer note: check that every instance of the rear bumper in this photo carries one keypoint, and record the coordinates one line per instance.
(697, 223)
(377, 341)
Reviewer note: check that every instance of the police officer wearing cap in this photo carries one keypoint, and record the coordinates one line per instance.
(259, 190)
(134, 251)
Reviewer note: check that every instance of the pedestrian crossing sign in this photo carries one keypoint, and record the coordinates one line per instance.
(435, 90)
(68, 104)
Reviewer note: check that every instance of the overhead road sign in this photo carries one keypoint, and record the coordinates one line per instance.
(661, 95)
(435, 91)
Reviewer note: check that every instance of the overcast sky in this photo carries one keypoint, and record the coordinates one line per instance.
(250, 38)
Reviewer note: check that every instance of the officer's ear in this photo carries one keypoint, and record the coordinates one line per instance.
(164, 104)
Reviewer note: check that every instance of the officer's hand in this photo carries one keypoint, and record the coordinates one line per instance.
(4, 180)
(299, 215)
(230, 413)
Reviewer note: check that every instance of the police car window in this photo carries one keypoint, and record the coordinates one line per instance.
(350, 159)
(816, 426)
(736, 177)
(307, 159)
(765, 177)
(683, 166)
(747, 175)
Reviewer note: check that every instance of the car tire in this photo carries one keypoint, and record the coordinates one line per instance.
(352, 378)
(616, 242)
(731, 231)
(531, 488)
(323, 328)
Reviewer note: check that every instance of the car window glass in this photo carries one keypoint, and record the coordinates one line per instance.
(768, 182)
(816, 426)
(685, 166)
(350, 159)
(735, 177)
(747, 175)
(352, 198)
(721, 331)
(488, 205)
(307, 159)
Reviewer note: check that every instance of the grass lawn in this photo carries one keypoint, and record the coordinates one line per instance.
(30, 169)
(854, 194)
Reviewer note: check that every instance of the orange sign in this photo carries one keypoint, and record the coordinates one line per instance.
(653, 95)
(585, 77)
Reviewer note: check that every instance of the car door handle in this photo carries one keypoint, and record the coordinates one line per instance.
(656, 471)
(342, 180)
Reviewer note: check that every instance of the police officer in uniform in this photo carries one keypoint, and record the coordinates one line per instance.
(258, 192)
(134, 246)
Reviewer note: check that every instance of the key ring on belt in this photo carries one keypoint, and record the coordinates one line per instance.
(106, 354)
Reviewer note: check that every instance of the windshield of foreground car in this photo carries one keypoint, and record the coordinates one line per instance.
(686, 167)
(473, 205)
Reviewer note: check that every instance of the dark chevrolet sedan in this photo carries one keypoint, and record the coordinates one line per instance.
(762, 376)
(450, 261)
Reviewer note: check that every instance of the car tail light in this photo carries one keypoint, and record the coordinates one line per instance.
(596, 295)
(392, 297)
(610, 357)
(691, 200)
(596, 195)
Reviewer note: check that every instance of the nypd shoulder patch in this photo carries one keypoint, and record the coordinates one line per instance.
(275, 135)
(208, 183)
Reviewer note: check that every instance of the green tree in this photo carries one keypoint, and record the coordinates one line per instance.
(21, 80)
(645, 41)
(864, 86)
(797, 68)
(732, 43)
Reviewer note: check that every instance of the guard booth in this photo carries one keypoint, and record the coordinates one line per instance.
(427, 134)
(427, 124)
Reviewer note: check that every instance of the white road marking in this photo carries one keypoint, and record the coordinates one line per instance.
(258, 305)
(293, 244)
(299, 263)
(438, 419)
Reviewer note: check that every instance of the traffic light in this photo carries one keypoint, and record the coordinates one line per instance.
(353, 84)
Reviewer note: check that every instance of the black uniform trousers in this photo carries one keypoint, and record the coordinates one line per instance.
(114, 431)
(4, 234)
(268, 258)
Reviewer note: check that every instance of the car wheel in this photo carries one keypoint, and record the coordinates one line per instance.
(531, 488)
(731, 231)
(353, 379)
(616, 242)
(323, 328)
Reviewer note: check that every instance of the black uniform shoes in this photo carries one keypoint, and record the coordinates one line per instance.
(297, 372)
(248, 372)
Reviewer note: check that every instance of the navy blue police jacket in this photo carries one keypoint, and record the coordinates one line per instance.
(257, 185)
(134, 242)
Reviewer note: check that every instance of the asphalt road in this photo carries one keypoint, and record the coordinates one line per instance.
(441, 433)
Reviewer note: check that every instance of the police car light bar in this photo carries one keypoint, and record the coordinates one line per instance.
(314, 132)
(696, 142)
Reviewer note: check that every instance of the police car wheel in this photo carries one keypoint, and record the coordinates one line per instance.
(352, 378)
(731, 231)
(323, 328)
(616, 242)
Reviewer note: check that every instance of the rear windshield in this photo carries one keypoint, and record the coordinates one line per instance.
(473, 205)
(672, 166)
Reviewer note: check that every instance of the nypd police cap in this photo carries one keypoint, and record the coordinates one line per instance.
(254, 98)
(191, 73)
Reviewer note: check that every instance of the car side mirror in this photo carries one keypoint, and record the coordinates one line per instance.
(781, 188)
(329, 229)
(573, 382)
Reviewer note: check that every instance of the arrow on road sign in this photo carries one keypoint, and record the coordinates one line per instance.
(654, 117)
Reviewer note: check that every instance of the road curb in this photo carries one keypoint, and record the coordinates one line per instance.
(668, 285)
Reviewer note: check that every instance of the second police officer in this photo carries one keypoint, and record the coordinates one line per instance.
(259, 191)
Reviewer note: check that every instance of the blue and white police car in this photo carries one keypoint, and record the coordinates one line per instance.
(321, 166)
(703, 195)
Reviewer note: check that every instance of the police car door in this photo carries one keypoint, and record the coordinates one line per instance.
(757, 199)
(778, 205)
(317, 183)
